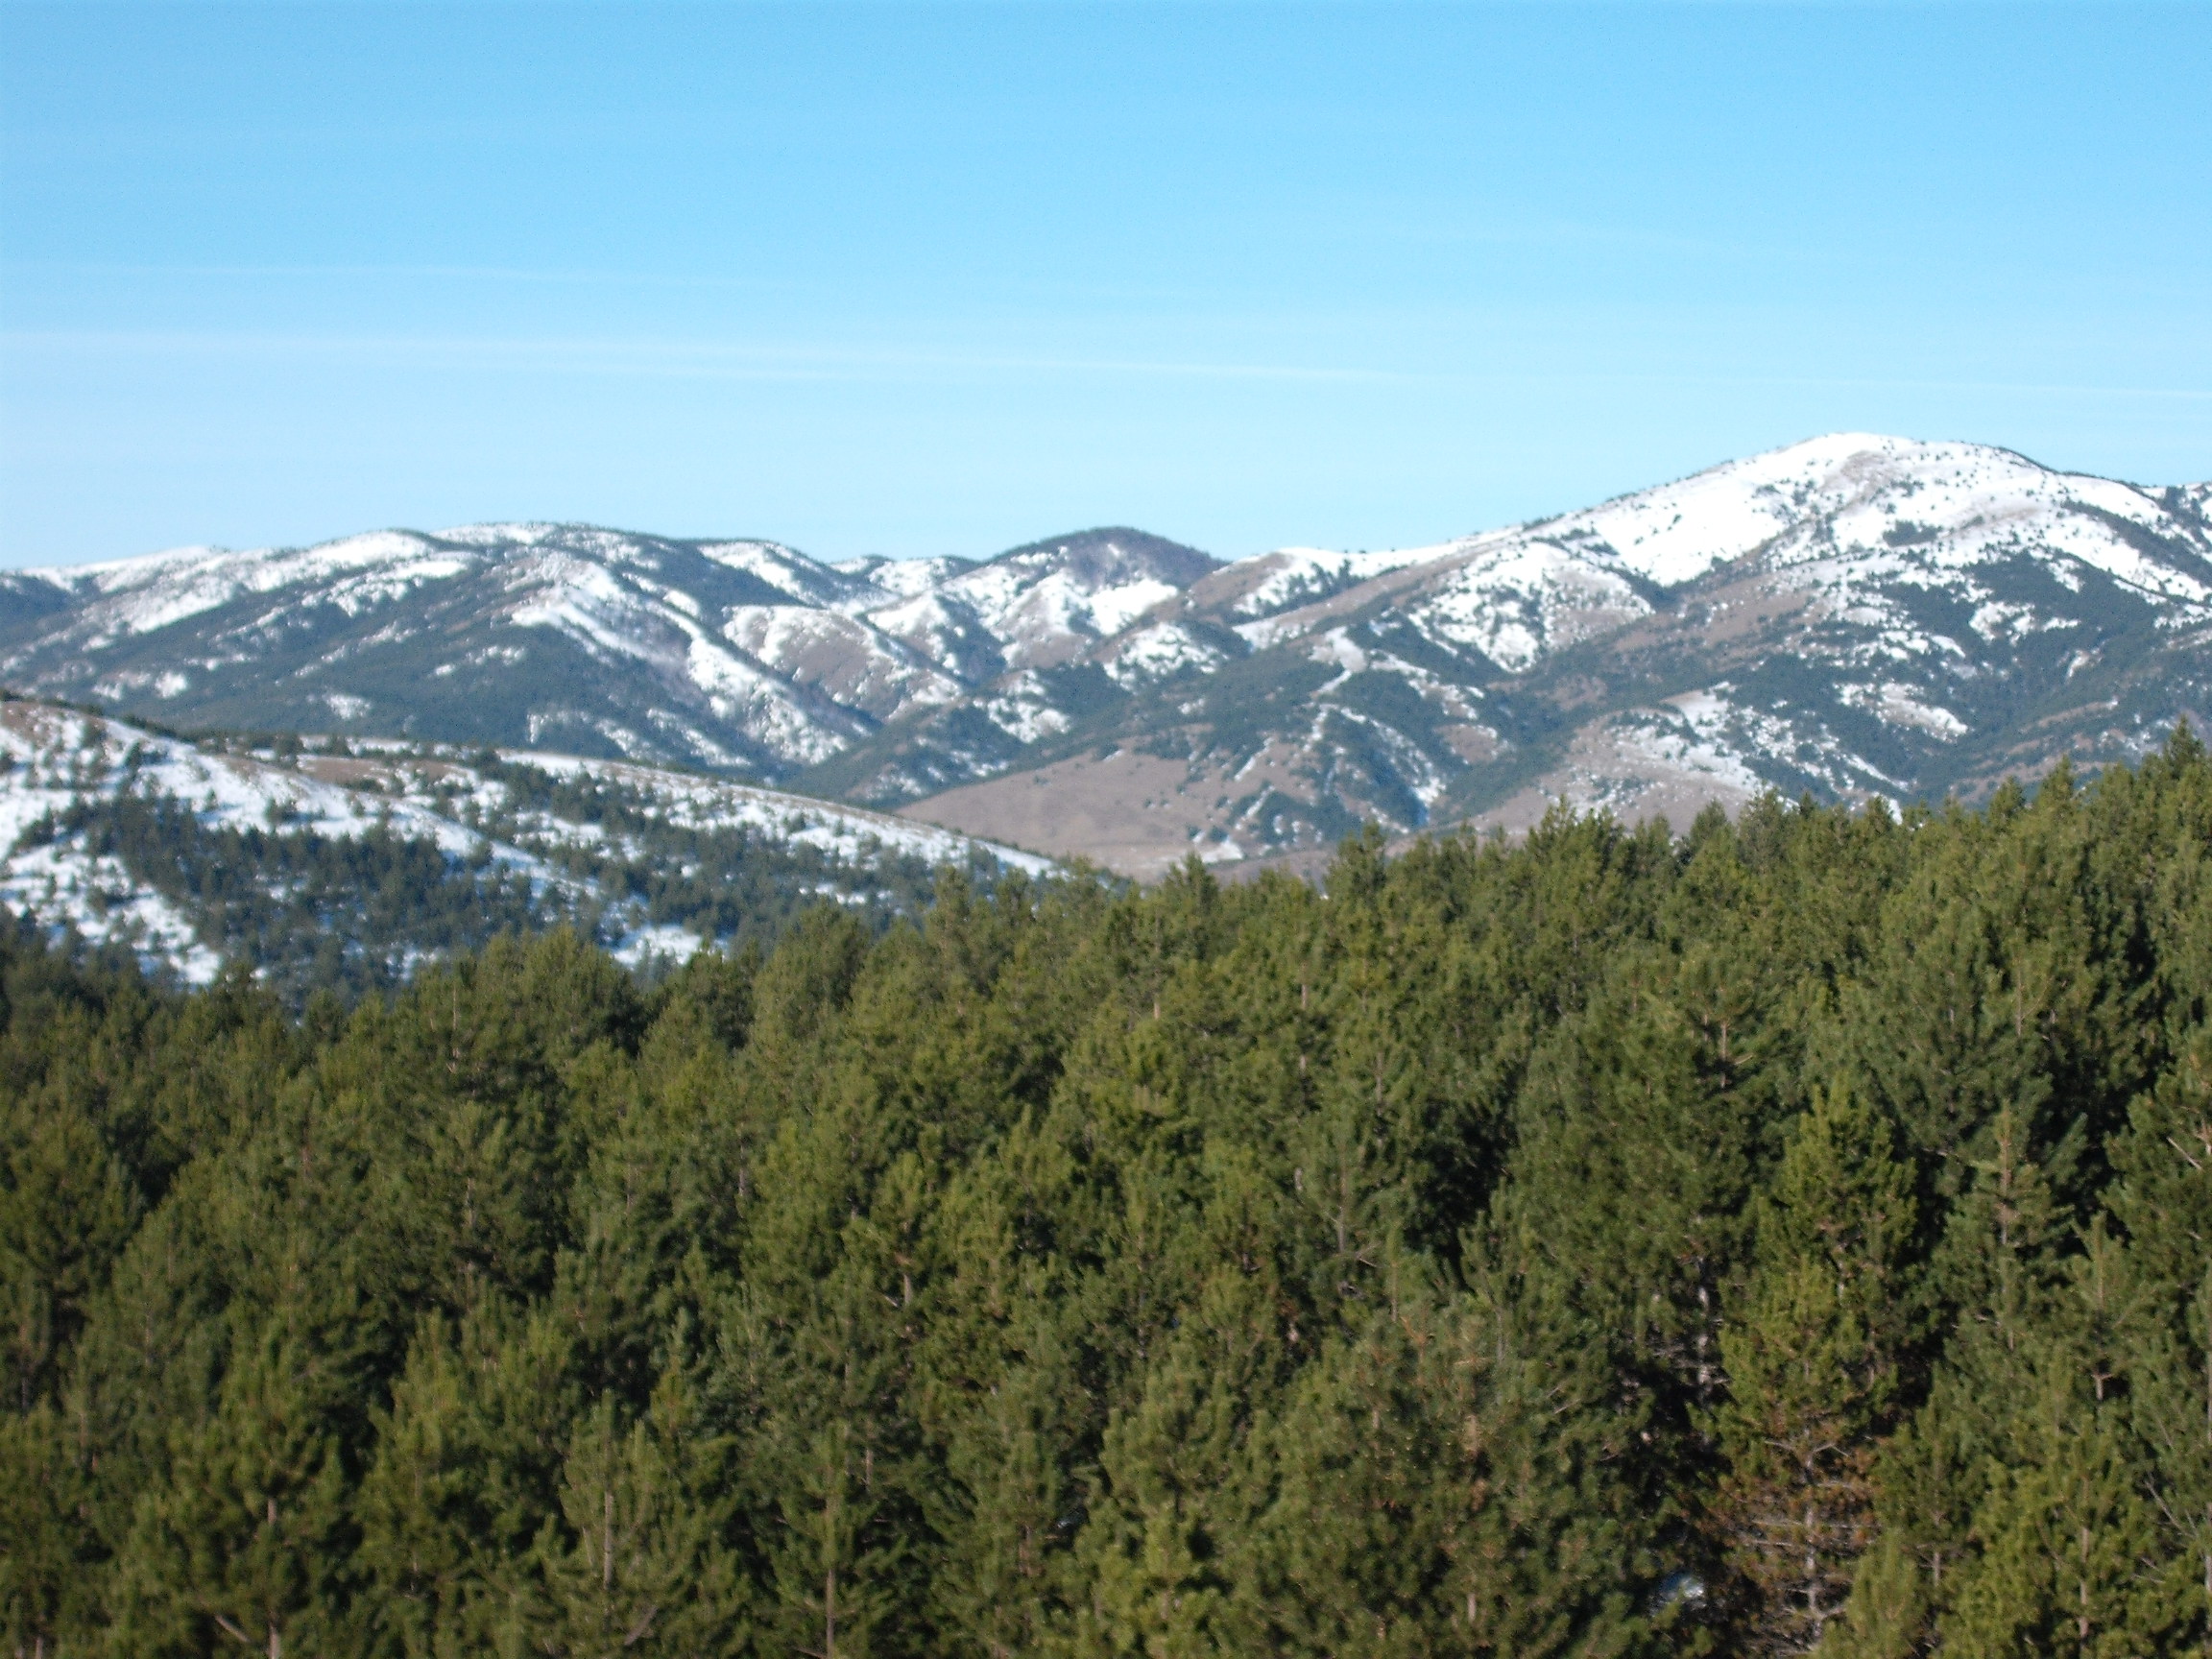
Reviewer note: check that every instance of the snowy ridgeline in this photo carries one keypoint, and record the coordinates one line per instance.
(1855, 617)
(742, 657)
(131, 838)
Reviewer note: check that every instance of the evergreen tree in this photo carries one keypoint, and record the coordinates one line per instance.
(65, 1213)
(1813, 1363)
(248, 1538)
(50, 1559)
(1174, 1507)
(2171, 1415)
(1997, 1271)
(1452, 1257)
(465, 1478)
(639, 1562)
(2069, 1565)
(835, 1564)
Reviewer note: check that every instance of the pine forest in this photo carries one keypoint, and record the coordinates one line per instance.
(1790, 1234)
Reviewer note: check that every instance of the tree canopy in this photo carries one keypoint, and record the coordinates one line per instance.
(1789, 1235)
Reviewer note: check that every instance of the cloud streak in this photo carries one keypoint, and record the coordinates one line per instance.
(650, 358)
(653, 359)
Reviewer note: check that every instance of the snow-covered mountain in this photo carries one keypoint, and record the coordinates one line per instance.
(344, 868)
(1854, 615)
(741, 656)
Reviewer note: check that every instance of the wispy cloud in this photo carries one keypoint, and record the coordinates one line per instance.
(649, 358)
(403, 271)
(738, 361)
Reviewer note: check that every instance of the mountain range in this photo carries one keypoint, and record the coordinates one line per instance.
(1854, 616)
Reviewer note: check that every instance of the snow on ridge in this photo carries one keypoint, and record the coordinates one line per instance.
(1519, 598)
(1862, 508)
(1113, 609)
(51, 759)
(845, 656)
(140, 595)
(1667, 533)
(1035, 608)
(785, 570)
(831, 826)
(895, 579)
(230, 790)
(345, 552)
(581, 599)
(503, 533)
(1156, 651)
(1867, 488)
(1675, 533)
(1511, 596)
(1959, 507)
(1300, 574)
(57, 757)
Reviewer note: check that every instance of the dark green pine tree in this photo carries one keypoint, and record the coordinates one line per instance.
(2171, 1409)
(814, 1359)
(2001, 979)
(247, 1539)
(1434, 1491)
(1174, 1510)
(831, 1560)
(2163, 1201)
(2059, 1577)
(1370, 1504)
(1997, 1269)
(2069, 1564)
(465, 1477)
(2071, 1559)
(52, 1560)
(1623, 1219)
(1002, 1406)
(1181, 1482)
(641, 1561)
(1008, 1505)
(1813, 1374)
(66, 1209)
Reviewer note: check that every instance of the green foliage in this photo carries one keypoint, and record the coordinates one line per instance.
(355, 914)
(1812, 1360)
(312, 911)
(1794, 1237)
(248, 1533)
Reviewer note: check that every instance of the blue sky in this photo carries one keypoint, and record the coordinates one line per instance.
(933, 278)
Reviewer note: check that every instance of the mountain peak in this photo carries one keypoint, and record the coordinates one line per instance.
(1853, 615)
(1112, 556)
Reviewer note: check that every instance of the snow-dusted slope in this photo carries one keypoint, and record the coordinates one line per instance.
(1855, 615)
(1858, 494)
(1846, 517)
(743, 655)
(115, 833)
(1040, 605)
(137, 596)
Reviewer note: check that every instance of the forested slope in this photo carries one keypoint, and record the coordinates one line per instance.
(1608, 1246)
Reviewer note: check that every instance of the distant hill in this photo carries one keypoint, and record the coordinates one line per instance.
(1852, 616)
(345, 871)
(742, 657)
(1855, 615)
